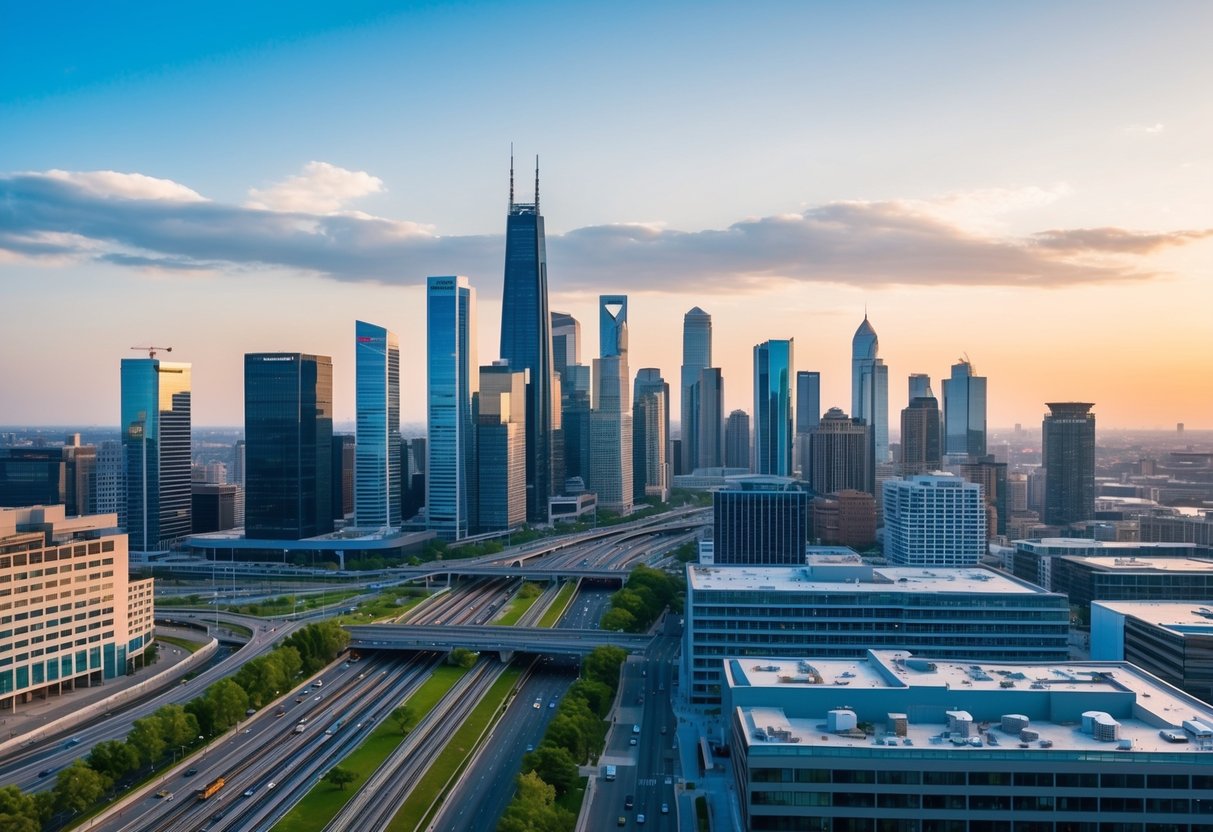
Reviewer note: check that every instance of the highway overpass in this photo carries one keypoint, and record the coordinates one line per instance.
(506, 641)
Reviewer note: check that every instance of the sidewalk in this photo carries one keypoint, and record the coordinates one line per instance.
(717, 786)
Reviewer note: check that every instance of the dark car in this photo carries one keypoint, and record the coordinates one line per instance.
(628, 802)
(46, 772)
(190, 772)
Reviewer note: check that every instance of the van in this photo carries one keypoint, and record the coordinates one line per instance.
(635, 729)
(610, 772)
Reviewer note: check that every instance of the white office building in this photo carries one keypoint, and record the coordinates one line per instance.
(934, 520)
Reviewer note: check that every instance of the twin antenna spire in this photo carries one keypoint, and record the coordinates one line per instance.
(512, 180)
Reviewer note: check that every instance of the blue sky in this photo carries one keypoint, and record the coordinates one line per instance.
(1014, 181)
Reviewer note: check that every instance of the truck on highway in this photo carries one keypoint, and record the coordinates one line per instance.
(210, 789)
(610, 772)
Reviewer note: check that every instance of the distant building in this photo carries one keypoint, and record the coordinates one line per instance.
(774, 366)
(964, 412)
(808, 416)
(611, 417)
(870, 389)
(840, 454)
(1034, 559)
(451, 381)
(1084, 580)
(33, 476)
(239, 461)
(1197, 530)
(215, 506)
(737, 440)
(109, 482)
(920, 387)
(761, 520)
(1068, 452)
(696, 357)
(920, 440)
(845, 518)
(992, 477)
(934, 521)
(342, 475)
(651, 474)
(377, 469)
(709, 401)
(566, 342)
(1171, 639)
(499, 408)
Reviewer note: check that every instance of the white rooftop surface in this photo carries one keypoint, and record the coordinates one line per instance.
(887, 578)
(1111, 545)
(1166, 704)
(1148, 564)
(1181, 616)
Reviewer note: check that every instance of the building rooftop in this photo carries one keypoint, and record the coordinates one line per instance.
(1059, 545)
(1178, 616)
(1135, 564)
(1055, 701)
(840, 573)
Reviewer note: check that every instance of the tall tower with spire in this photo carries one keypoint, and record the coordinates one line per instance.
(870, 387)
(526, 340)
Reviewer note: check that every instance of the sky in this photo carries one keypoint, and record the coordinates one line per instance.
(1029, 185)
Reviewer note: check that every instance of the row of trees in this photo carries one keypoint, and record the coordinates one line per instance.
(647, 592)
(172, 730)
(575, 733)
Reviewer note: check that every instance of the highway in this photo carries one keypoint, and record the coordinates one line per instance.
(541, 641)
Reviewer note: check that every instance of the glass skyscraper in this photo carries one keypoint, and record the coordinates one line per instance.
(451, 379)
(1068, 454)
(773, 373)
(157, 451)
(611, 417)
(696, 357)
(377, 453)
(288, 434)
(870, 388)
(964, 412)
(526, 341)
(650, 435)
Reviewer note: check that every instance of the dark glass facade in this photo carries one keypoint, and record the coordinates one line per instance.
(761, 525)
(288, 431)
(1068, 452)
(773, 368)
(32, 477)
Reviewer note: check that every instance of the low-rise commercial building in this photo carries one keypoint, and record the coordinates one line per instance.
(1084, 580)
(1171, 639)
(1033, 559)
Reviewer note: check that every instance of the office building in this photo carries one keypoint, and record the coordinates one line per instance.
(840, 454)
(964, 412)
(109, 482)
(1179, 529)
(773, 412)
(737, 440)
(377, 468)
(214, 506)
(709, 402)
(1033, 559)
(835, 606)
(1087, 579)
(920, 387)
(566, 342)
(1171, 639)
(499, 408)
(651, 474)
(696, 357)
(526, 343)
(49, 476)
(451, 380)
(1068, 456)
(920, 440)
(934, 520)
(342, 475)
(870, 389)
(920, 744)
(611, 419)
(845, 518)
(238, 462)
(992, 477)
(760, 520)
(288, 431)
(808, 416)
(575, 421)
(157, 451)
(82, 567)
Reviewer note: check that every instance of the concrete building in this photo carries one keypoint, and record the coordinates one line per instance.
(845, 518)
(840, 454)
(1084, 580)
(760, 520)
(709, 404)
(43, 649)
(1196, 530)
(341, 475)
(838, 607)
(808, 416)
(1171, 639)
(1033, 559)
(918, 745)
(921, 446)
(934, 520)
(992, 477)
(737, 440)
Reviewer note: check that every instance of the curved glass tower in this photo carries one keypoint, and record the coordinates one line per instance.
(377, 453)
(870, 388)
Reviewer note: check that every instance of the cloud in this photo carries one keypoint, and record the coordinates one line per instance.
(1146, 129)
(140, 222)
(320, 189)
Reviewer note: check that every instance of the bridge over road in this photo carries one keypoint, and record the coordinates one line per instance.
(503, 640)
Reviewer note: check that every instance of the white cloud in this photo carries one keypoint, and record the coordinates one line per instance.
(320, 188)
(1146, 129)
(109, 183)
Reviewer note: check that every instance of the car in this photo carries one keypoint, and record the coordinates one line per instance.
(640, 818)
(636, 729)
(552, 704)
(271, 784)
(632, 741)
(164, 794)
(665, 808)
(621, 821)
(46, 772)
(249, 792)
(298, 699)
(530, 746)
(218, 816)
(190, 772)
(628, 802)
(318, 697)
(536, 705)
(73, 742)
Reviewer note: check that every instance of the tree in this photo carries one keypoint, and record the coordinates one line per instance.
(403, 716)
(78, 787)
(554, 765)
(229, 702)
(534, 809)
(18, 811)
(597, 695)
(462, 657)
(602, 665)
(619, 620)
(565, 732)
(147, 738)
(340, 777)
(113, 758)
(177, 726)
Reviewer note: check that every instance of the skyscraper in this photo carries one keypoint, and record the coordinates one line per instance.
(696, 355)
(920, 387)
(934, 520)
(920, 443)
(737, 440)
(611, 419)
(709, 401)
(773, 416)
(964, 412)
(761, 521)
(500, 412)
(870, 388)
(156, 441)
(451, 379)
(808, 416)
(288, 434)
(650, 435)
(377, 452)
(1068, 454)
(526, 340)
(840, 454)
(566, 341)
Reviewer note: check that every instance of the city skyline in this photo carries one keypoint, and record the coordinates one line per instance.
(980, 212)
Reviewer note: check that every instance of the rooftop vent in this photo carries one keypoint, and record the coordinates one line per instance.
(839, 720)
(1014, 723)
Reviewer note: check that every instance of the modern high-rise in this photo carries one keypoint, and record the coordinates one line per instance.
(696, 356)
(341, 475)
(709, 401)
(377, 452)
(934, 520)
(991, 475)
(611, 418)
(451, 379)
(566, 341)
(575, 421)
(808, 416)
(737, 440)
(288, 431)
(920, 440)
(156, 442)
(920, 387)
(526, 341)
(109, 482)
(773, 410)
(964, 412)
(500, 412)
(870, 388)
(1068, 455)
(760, 520)
(840, 454)
(651, 475)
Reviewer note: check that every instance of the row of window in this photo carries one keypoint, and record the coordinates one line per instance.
(78, 550)
(984, 802)
(791, 823)
(1020, 779)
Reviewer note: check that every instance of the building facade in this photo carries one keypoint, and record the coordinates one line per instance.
(377, 471)
(709, 402)
(696, 357)
(760, 521)
(934, 520)
(650, 435)
(451, 380)
(964, 412)
(1068, 451)
(921, 448)
(870, 389)
(737, 440)
(808, 416)
(840, 454)
(845, 518)
(774, 370)
(1171, 639)
(499, 408)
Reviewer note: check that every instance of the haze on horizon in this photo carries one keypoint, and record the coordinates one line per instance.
(1028, 185)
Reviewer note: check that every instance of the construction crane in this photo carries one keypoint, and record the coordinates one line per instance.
(151, 351)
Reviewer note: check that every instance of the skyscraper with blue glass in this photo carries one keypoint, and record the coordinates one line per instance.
(773, 374)
(157, 451)
(870, 388)
(696, 357)
(964, 413)
(451, 379)
(377, 452)
(526, 342)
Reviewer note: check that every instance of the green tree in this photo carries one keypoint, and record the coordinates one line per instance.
(462, 657)
(18, 811)
(619, 620)
(112, 758)
(147, 738)
(340, 777)
(555, 765)
(228, 702)
(78, 788)
(602, 665)
(534, 808)
(566, 732)
(597, 695)
(177, 726)
(403, 716)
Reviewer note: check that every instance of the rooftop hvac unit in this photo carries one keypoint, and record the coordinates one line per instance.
(960, 722)
(839, 720)
(1028, 735)
(1014, 723)
(899, 724)
(1197, 728)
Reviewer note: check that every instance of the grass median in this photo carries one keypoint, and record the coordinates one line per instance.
(437, 780)
(184, 644)
(559, 604)
(522, 601)
(324, 801)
